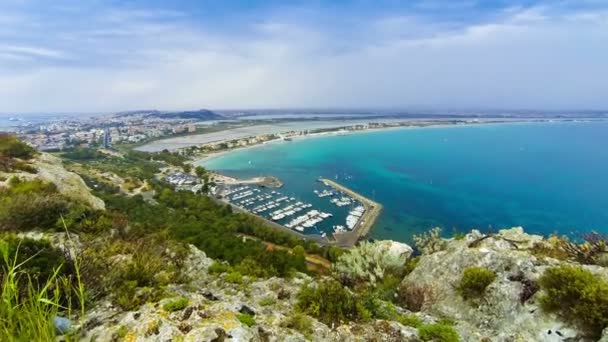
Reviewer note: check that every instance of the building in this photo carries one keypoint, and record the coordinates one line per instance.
(107, 140)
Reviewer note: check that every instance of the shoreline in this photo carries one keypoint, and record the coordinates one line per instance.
(406, 125)
(214, 155)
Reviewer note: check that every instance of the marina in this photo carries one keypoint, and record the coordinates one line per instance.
(338, 216)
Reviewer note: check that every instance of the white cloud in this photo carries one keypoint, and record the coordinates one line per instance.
(524, 58)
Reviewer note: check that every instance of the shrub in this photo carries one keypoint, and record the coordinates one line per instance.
(410, 265)
(267, 301)
(219, 267)
(12, 147)
(299, 322)
(366, 263)
(430, 242)
(577, 295)
(331, 303)
(409, 320)
(415, 296)
(474, 282)
(551, 247)
(438, 332)
(133, 271)
(234, 277)
(177, 304)
(246, 319)
(594, 247)
(30, 205)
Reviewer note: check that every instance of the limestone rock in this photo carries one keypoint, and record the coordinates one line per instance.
(500, 315)
(50, 169)
(396, 249)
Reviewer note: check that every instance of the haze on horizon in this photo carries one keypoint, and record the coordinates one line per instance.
(76, 56)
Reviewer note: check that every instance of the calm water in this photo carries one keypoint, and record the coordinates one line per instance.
(549, 177)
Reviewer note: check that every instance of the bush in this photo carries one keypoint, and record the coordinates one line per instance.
(219, 268)
(267, 301)
(409, 320)
(134, 271)
(410, 265)
(576, 294)
(430, 242)
(331, 303)
(415, 296)
(246, 319)
(438, 332)
(474, 282)
(177, 304)
(28, 205)
(300, 323)
(12, 147)
(234, 277)
(366, 263)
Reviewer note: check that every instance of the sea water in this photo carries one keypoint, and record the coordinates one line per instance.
(546, 177)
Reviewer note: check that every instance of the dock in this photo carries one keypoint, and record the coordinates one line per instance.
(363, 227)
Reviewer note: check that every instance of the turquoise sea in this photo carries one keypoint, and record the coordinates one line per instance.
(546, 177)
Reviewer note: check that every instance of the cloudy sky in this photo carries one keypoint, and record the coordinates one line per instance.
(95, 55)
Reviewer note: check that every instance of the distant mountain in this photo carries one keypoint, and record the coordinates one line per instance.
(201, 114)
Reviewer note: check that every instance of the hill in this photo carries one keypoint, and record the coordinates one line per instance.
(199, 115)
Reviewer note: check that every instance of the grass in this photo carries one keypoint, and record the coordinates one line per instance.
(266, 301)
(176, 305)
(27, 308)
(438, 332)
(246, 319)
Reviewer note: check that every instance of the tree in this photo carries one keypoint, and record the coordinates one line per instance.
(200, 171)
(187, 168)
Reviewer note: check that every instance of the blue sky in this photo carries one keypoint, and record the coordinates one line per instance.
(89, 56)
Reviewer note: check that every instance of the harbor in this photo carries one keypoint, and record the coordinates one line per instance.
(338, 216)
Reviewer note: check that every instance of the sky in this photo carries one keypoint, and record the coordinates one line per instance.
(105, 56)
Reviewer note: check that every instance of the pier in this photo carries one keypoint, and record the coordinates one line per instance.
(364, 225)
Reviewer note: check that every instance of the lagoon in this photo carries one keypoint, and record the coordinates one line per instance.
(546, 177)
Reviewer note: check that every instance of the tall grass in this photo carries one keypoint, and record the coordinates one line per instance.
(27, 307)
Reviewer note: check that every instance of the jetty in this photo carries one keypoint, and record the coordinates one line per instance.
(366, 221)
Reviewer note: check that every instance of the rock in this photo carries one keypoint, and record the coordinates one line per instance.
(507, 311)
(62, 325)
(246, 310)
(518, 237)
(68, 183)
(397, 249)
(604, 336)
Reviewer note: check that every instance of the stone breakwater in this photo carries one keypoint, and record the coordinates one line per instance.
(372, 211)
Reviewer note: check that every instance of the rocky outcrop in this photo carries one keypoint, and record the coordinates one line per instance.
(213, 309)
(50, 169)
(508, 310)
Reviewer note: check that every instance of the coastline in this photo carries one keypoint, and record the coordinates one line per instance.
(212, 155)
(410, 125)
(371, 220)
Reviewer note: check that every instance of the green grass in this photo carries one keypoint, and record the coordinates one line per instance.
(246, 319)
(176, 305)
(28, 308)
(267, 301)
(438, 332)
